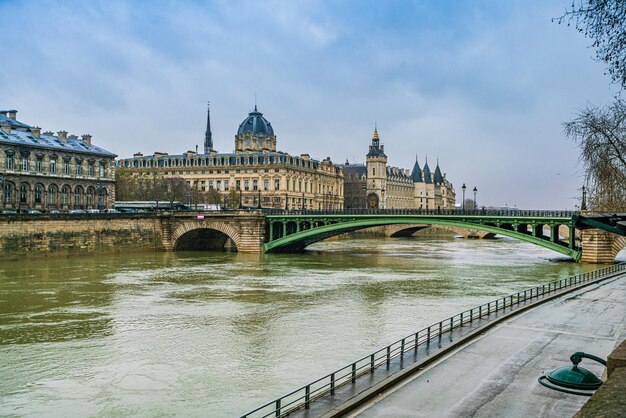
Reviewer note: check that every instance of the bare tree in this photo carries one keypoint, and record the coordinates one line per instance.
(176, 189)
(604, 22)
(600, 134)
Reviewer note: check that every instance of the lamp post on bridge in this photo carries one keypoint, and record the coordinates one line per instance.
(240, 198)
(2, 190)
(475, 191)
(583, 204)
(259, 202)
(302, 200)
(463, 187)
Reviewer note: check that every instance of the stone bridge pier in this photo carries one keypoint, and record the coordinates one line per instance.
(600, 247)
(243, 230)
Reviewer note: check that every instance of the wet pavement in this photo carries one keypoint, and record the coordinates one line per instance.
(496, 374)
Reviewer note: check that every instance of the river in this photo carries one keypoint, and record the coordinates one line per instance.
(216, 333)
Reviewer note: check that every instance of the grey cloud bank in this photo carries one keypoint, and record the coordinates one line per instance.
(484, 87)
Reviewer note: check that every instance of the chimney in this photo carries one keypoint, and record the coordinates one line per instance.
(6, 127)
(87, 139)
(62, 136)
(36, 131)
(12, 114)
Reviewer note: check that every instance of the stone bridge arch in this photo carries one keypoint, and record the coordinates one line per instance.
(245, 229)
(203, 236)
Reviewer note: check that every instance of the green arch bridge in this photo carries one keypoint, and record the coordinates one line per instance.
(294, 230)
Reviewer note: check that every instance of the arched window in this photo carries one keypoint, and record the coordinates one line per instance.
(8, 192)
(90, 194)
(23, 193)
(65, 193)
(78, 195)
(38, 192)
(52, 195)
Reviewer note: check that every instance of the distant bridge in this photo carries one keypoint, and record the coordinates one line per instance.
(292, 231)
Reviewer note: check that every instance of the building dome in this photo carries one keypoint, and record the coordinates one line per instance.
(255, 133)
(256, 124)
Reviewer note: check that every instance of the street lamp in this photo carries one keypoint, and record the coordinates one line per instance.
(464, 187)
(286, 201)
(302, 200)
(240, 205)
(583, 204)
(475, 191)
(2, 189)
(259, 202)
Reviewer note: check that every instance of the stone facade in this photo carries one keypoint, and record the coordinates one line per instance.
(377, 185)
(255, 170)
(44, 172)
(40, 235)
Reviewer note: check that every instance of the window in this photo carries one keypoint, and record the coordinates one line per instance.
(238, 184)
(266, 184)
(38, 191)
(9, 162)
(210, 184)
(101, 170)
(89, 196)
(276, 184)
(39, 165)
(255, 184)
(77, 196)
(66, 167)
(79, 170)
(52, 195)
(8, 192)
(24, 164)
(65, 191)
(23, 193)
(90, 170)
(226, 185)
(246, 185)
(219, 184)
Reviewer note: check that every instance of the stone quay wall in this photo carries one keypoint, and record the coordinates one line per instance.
(60, 234)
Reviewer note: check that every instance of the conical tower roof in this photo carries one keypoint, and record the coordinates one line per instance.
(427, 174)
(438, 176)
(416, 174)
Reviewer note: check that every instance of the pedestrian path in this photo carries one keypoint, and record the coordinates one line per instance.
(496, 373)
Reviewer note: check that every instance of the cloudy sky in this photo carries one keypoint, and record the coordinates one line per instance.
(483, 85)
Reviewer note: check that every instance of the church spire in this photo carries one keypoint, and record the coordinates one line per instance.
(208, 137)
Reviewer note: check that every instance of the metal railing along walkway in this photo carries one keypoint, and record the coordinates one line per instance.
(414, 347)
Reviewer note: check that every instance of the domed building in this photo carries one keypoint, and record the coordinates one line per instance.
(255, 133)
(254, 175)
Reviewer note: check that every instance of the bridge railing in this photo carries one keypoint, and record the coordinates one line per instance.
(446, 212)
(349, 374)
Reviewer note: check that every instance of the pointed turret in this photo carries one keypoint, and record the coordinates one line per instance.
(427, 176)
(438, 177)
(375, 149)
(416, 174)
(208, 137)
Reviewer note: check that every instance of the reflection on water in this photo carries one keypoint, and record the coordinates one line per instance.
(215, 334)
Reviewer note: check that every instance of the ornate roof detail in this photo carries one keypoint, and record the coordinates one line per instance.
(375, 149)
(208, 137)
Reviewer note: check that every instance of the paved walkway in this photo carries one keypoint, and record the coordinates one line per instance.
(496, 374)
